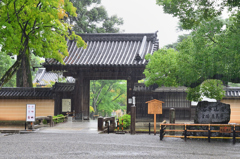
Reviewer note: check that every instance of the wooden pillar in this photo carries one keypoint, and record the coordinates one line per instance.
(133, 119)
(81, 98)
(86, 98)
(77, 100)
(57, 104)
(130, 86)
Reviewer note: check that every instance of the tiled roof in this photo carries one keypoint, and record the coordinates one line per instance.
(43, 77)
(63, 87)
(171, 89)
(232, 92)
(110, 50)
(35, 93)
(16, 93)
(140, 87)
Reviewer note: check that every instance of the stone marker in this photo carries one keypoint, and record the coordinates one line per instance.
(212, 113)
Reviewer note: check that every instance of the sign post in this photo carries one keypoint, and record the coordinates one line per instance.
(30, 113)
(154, 107)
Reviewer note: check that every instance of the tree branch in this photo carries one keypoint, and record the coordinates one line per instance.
(117, 97)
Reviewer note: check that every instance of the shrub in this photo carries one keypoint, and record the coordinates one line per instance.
(44, 121)
(126, 121)
(58, 120)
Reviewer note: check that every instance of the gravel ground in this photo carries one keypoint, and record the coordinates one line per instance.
(89, 144)
(81, 140)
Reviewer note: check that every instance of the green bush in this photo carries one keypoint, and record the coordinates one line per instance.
(58, 120)
(44, 121)
(126, 121)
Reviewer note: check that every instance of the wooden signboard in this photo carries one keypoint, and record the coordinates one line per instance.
(225, 130)
(154, 107)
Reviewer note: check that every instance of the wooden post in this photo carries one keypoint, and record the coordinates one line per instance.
(77, 99)
(100, 123)
(155, 123)
(130, 86)
(50, 121)
(86, 96)
(172, 120)
(112, 123)
(149, 129)
(185, 133)
(161, 132)
(133, 119)
(209, 133)
(234, 135)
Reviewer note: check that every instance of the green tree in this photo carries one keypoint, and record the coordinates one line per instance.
(192, 12)
(107, 95)
(93, 18)
(210, 52)
(5, 63)
(180, 39)
(34, 27)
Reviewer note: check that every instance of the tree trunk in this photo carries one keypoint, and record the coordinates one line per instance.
(24, 75)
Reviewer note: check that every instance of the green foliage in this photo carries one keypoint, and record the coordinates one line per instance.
(107, 95)
(126, 121)
(59, 118)
(207, 58)
(35, 61)
(91, 109)
(93, 18)
(44, 121)
(162, 67)
(209, 88)
(37, 27)
(5, 63)
(192, 12)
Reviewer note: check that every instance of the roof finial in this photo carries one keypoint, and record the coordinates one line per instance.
(138, 58)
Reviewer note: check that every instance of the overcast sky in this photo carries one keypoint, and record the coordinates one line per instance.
(144, 16)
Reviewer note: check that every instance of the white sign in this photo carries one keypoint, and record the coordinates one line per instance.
(66, 105)
(31, 112)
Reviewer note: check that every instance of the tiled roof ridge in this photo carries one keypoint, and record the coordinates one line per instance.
(24, 89)
(118, 36)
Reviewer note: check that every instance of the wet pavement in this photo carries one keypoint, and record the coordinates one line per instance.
(82, 140)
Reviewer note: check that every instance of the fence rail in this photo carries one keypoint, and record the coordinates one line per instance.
(223, 128)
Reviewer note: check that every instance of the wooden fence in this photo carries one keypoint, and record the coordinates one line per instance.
(50, 119)
(203, 129)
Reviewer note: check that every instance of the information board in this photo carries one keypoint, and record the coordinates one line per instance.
(66, 105)
(31, 112)
(225, 130)
(155, 108)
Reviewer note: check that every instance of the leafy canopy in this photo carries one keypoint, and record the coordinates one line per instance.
(93, 18)
(192, 12)
(107, 95)
(208, 57)
(28, 26)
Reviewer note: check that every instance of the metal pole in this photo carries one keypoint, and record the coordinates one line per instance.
(172, 120)
(108, 127)
(25, 125)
